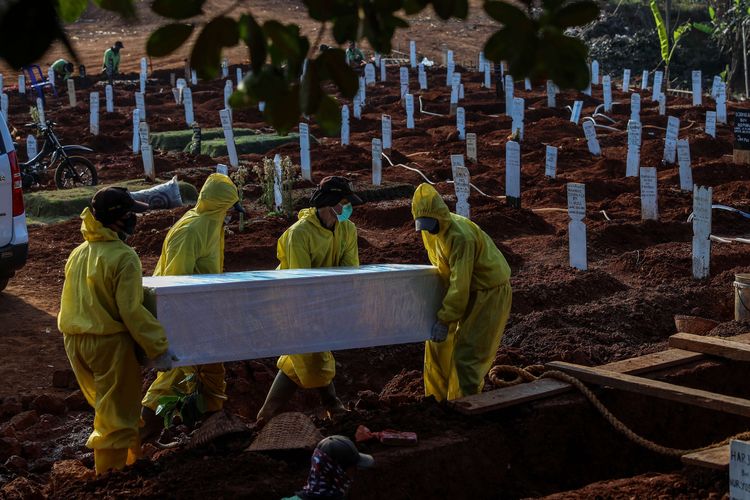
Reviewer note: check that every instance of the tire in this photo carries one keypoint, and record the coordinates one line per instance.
(82, 167)
(3, 283)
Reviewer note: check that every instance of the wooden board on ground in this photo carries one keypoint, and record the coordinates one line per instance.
(541, 389)
(713, 346)
(655, 388)
(712, 458)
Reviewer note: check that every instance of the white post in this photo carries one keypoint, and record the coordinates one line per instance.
(140, 103)
(377, 162)
(370, 74)
(526, 84)
(662, 100)
(697, 88)
(304, 151)
(711, 123)
(517, 122)
(487, 75)
(551, 94)
(649, 203)
(577, 254)
(51, 76)
(193, 77)
(94, 113)
(382, 71)
(634, 148)
(422, 77)
(187, 101)
(238, 75)
(226, 124)
(508, 95)
(550, 162)
(590, 133)
(21, 84)
(413, 53)
(721, 103)
(462, 187)
(670, 141)
(595, 72)
(607, 91)
(228, 89)
(656, 90)
(575, 115)
(683, 157)
(701, 231)
(409, 111)
(357, 107)
(40, 109)
(461, 123)
(513, 173)
(386, 131)
(31, 147)
(404, 80)
(345, 125)
(4, 105)
(143, 134)
(71, 92)
(626, 80)
(644, 80)
(471, 146)
(109, 95)
(136, 136)
(715, 86)
(147, 154)
(635, 107)
(278, 198)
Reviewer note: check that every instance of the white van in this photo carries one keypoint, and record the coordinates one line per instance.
(14, 238)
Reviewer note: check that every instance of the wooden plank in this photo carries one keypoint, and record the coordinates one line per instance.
(712, 458)
(655, 388)
(713, 346)
(547, 388)
(510, 396)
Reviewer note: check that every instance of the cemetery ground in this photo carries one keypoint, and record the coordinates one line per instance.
(638, 278)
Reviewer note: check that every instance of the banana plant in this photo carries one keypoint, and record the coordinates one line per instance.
(661, 28)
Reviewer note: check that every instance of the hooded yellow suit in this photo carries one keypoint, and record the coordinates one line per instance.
(195, 245)
(476, 305)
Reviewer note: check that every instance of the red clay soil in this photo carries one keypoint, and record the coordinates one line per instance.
(639, 277)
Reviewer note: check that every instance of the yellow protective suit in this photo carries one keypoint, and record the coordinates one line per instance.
(195, 245)
(102, 318)
(306, 245)
(476, 305)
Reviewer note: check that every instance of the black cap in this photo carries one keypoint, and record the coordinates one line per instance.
(112, 203)
(342, 451)
(426, 224)
(332, 190)
(119, 45)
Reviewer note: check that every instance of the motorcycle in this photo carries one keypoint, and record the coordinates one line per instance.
(70, 171)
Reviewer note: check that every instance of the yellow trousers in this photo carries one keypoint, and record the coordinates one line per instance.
(109, 376)
(309, 371)
(211, 377)
(457, 366)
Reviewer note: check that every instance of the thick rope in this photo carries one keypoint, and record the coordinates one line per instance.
(528, 374)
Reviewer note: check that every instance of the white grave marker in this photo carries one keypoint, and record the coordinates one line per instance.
(575, 115)
(526, 84)
(656, 90)
(662, 100)
(143, 134)
(670, 141)
(228, 89)
(1, 83)
(551, 94)
(482, 60)
(31, 147)
(109, 95)
(634, 148)
(357, 107)
(451, 66)
(626, 80)
(377, 162)
(40, 109)
(649, 204)
(193, 77)
(226, 124)
(593, 143)
(508, 95)
(4, 105)
(140, 103)
(721, 103)
(702, 233)
(518, 114)
(304, 151)
(409, 111)
(456, 161)
(462, 186)
(550, 162)
(278, 198)
(21, 84)
(369, 74)
(487, 75)
(644, 80)
(345, 125)
(422, 78)
(595, 72)
(739, 470)
(715, 86)
(697, 88)
(136, 136)
(461, 123)
(404, 80)
(187, 101)
(635, 107)
(362, 90)
(147, 154)
(471, 147)
(577, 228)
(513, 173)
(94, 113)
(413, 53)
(238, 75)
(51, 76)
(382, 71)
(607, 90)
(711, 123)
(224, 68)
(71, 92)
(683, 157)
(385, 131)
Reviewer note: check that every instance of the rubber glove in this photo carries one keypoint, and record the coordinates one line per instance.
(163, 361)
(439, 332)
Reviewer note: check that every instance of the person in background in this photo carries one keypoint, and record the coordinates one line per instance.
(111, 63)
(63, 70)
(103, 322)
(322, 237)
(194, 245)
(476, 306)
(354, 57)
(332, 469)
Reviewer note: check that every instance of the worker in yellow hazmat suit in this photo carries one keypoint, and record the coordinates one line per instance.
(476, 306)
(194, 245)
(102, 319)
(322, 237)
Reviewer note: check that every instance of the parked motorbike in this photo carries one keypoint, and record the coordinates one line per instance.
(70, 171)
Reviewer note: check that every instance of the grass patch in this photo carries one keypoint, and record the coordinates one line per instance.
(246, 144)
(44, 207)
(177, 140)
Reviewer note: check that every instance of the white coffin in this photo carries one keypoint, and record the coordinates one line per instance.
(233, 316)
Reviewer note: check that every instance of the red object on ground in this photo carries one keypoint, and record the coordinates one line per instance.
(387, 436)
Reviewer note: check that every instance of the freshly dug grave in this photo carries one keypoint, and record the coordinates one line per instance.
(639, 278)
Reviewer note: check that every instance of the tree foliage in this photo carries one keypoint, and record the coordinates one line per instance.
(288, 73)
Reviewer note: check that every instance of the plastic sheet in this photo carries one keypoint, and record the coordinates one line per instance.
(257, 314)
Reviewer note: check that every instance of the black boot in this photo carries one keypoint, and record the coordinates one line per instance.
(279, 394)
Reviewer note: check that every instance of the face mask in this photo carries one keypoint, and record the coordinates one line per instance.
(346, 212)
(127, 226)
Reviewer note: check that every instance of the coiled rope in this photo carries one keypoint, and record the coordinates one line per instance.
(536, 372)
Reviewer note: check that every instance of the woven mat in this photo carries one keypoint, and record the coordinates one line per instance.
(287, 431)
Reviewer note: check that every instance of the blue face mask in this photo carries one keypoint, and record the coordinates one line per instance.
(346, 212)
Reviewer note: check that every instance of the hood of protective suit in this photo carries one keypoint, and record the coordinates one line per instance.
(427, 202)
(93, 230)
(217, 195)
